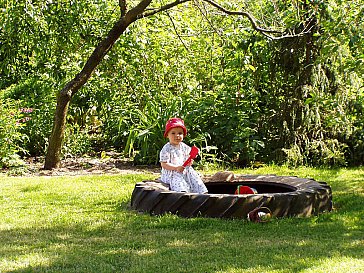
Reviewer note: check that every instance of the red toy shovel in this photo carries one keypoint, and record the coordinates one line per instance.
(193, 153)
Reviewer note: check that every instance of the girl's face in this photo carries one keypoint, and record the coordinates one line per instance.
(175, 135)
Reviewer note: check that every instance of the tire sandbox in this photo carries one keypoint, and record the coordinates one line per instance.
(285, 196)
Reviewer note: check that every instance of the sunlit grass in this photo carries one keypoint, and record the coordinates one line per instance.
(84, 224)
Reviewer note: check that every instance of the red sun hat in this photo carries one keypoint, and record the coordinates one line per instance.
(173, 123)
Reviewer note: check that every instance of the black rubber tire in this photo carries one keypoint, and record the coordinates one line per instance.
(285, 196)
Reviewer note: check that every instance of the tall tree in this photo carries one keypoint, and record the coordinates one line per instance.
(143, 9)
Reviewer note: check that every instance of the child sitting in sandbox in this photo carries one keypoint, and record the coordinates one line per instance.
(180, 177)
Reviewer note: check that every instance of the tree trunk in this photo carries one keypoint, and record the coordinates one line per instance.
(53, 156)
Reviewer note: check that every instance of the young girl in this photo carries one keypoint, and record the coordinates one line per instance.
(172, 157)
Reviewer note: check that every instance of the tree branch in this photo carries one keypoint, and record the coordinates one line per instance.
(163, 8)
(122, 5)
(242, 13)
(204, 15)
(269, 33)
(176, 31)
(264, 31)
(136, 12)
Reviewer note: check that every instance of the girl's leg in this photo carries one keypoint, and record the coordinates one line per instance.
(195, 182)
(178, 183)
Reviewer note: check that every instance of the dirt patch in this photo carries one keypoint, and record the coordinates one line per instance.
(80, 166)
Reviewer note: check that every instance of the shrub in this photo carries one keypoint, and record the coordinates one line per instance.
(12, 119)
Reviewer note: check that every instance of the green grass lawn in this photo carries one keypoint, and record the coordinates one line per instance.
(84, 224)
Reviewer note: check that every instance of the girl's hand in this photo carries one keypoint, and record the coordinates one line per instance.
(180, 169)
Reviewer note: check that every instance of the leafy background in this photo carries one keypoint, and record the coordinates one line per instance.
(246, 99)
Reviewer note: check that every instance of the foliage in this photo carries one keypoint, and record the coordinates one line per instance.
(245, 98)
(35, 94)
(12, 118)
(84, 224)
(315, 117)
(36, 66)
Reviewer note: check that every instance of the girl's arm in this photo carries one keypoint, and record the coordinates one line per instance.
(172, 167)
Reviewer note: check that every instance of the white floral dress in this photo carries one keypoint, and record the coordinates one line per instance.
(189, 180)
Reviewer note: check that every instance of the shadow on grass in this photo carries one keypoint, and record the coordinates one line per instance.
(141, 243)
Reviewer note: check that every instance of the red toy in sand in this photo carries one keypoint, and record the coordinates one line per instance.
(245, 190)
(193, 153)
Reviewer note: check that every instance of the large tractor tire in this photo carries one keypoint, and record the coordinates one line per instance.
(285, 196)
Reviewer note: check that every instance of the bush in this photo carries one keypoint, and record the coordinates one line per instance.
(37, 94)
(12, 119)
